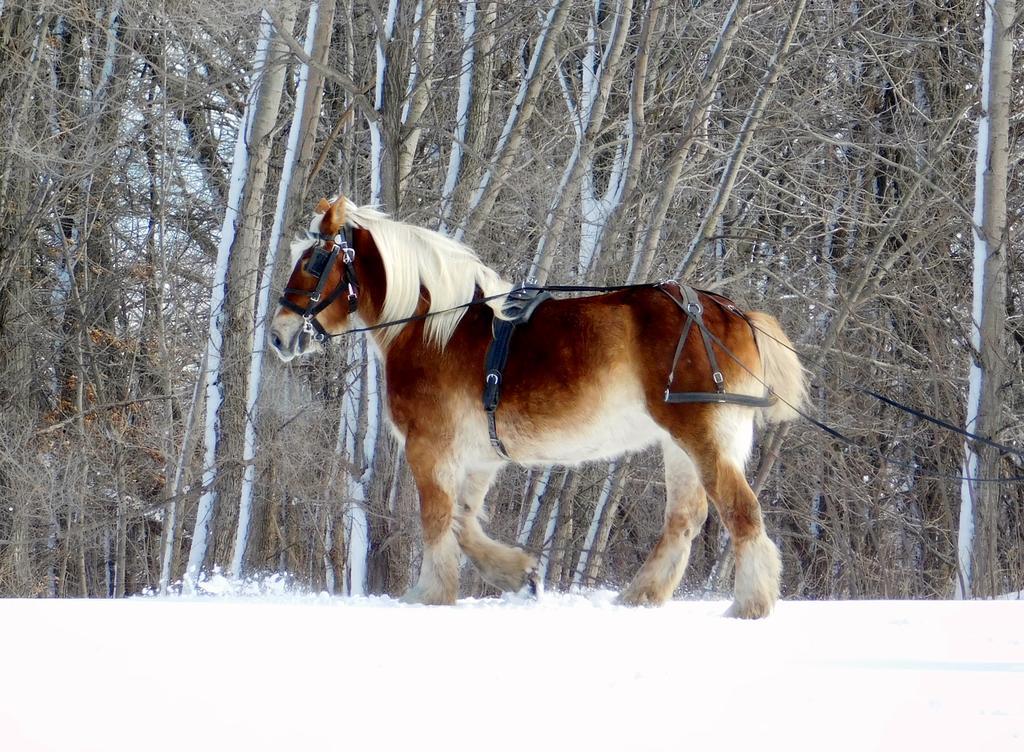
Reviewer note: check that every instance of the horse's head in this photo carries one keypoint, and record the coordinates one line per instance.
(322, 291)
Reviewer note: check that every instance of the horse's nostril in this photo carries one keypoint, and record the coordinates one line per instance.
(275, 340)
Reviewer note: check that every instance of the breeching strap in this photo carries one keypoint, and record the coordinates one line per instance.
(689, 302)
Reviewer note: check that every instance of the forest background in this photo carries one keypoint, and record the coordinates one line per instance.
(817, 159)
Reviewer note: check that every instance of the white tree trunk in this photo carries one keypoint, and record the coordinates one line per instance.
(461, 115)
(263, 306)
(544, 560)
(532, 505)
(358, 433)
(376, 137)
(979, 502)
(602, 218)
(590, 549)
(739, 149)
(214, 389)
(515, 125)
(418, 88)
(171, 509)
(692, 128)
(588, 118)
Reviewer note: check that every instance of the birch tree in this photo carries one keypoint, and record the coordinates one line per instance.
(520, 113)
(979, 501)
(263, 306)
(467, 75)
(739, 149)
(587, 117)
(691, 132)
(215, 341)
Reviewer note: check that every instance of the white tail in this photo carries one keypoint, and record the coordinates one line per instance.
(782, 369)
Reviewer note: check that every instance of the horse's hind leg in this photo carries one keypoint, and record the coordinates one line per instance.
(435, 474)
(758, 567)
(504, 567)
(686, 508)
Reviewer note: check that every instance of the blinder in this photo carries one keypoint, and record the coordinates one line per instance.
(319, 265)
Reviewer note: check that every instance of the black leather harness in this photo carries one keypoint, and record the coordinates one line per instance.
(688, 300)
(326, 250)
(520, 306)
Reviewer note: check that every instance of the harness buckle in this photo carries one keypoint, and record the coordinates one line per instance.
(492, 378)
(718, 378)
(694, 308)
(314, 297)
(348, 254)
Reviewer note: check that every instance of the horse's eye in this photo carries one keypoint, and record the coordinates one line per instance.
(317, 262)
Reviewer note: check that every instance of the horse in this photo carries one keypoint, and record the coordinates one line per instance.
(586, 381)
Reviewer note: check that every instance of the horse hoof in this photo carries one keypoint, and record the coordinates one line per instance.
(752, 610)
(534, 586)
(644, 597)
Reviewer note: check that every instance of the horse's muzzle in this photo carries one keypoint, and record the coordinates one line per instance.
(289, 340)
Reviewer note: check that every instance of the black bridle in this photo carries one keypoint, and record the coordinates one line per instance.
(325, 253)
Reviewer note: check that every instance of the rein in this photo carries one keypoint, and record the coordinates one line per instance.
(909, 466)
(912, 411)
(480, 301)
(324, 257)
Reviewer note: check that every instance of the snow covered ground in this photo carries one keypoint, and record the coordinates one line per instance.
(304, 672)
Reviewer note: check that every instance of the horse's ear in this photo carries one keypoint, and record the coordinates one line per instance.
(322, 206)
(334, 219)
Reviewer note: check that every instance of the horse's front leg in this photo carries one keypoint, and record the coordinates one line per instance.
(504, 567)
(433, 468)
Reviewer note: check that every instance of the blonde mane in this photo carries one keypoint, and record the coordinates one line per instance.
(413, 258)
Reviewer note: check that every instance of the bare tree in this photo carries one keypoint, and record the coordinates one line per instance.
(980, 501)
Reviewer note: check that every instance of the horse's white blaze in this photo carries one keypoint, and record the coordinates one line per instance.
(287, 325)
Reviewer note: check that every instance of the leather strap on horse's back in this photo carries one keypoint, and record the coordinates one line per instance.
(689, 302)
(519, 307)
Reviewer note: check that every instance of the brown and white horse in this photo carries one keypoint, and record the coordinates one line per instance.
(585, 381)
